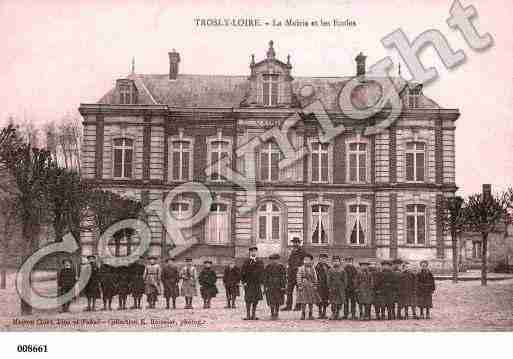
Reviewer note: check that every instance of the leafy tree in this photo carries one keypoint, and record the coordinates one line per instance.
(453, 220)
(484, 213)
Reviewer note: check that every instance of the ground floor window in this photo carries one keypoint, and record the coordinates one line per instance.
(415, 224)
(218, 224)
(319, 223)
(476, 250)
(358, 224)
(122, 243)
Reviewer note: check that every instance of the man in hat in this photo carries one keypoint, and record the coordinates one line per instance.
(152, 277)
(66, 279)
(137, 286)
(425, 289)
(407, 285)
(396, 269)
(350, 304)
(170, 279)
(207, 280)
(252, 275)
(294, 262)
(108, 285)
(275, 283)
(123, 285)
(322, 268)
(189, 276)
(337, 283)
(379, 291)
(231, 280)
(365, 290)
(388, 288)
(92, 289)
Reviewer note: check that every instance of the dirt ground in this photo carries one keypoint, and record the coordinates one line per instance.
(466, 306)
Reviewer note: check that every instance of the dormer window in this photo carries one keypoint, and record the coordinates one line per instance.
(127, 92)
(270, 89)
(413, 96)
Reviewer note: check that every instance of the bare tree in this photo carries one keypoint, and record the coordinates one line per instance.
(453, 220)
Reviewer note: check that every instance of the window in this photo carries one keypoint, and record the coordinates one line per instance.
(357, 224)
(415, 224)
(218, 224)
(413, 97)
(181, 210)
(218, 150)
(415, 161)
(320, 162)
(181, 160)
(270, 89)
(476, 250)
(320, 226)
(127, 94)
(122, 243)
(269, 159)
(123, 155)
(357, 155)
(269, 222)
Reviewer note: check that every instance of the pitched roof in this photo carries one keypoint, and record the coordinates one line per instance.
(230, 91)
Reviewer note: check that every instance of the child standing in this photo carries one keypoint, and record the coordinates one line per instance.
(65, 281)
(231, 280)
(152, 276)
(170, 279)
(92, 289)
(322, 268)
(275, 283)
(337, 284)
(188, 276)
(307, 287)
(207, 281)
(425, 289)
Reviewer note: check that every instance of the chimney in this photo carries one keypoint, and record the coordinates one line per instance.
(360, 64)
(174, 60)
(487, 190)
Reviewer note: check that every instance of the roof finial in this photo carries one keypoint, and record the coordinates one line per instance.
(288, 59)
(252, 60)
(270, 53)
(133, 65)
(399, 69)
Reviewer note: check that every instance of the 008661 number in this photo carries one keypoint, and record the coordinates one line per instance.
(32, 348)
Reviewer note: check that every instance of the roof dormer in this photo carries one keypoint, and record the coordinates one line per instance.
(126, 92)
(270, 81)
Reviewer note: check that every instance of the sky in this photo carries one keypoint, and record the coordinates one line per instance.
(58, 54)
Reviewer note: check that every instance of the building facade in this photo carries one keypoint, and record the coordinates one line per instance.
(369, 196)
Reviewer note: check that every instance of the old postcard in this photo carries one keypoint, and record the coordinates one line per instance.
(271, 166)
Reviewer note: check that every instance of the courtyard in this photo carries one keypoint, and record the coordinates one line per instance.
(466, 306)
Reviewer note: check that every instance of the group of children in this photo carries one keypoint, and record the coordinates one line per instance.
(391, 288)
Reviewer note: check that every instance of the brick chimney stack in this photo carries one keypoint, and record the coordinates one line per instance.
(360, 64)
(174, 60)
(487, 190)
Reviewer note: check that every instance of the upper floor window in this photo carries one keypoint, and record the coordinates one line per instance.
(270, 89)
(358, 167)
(320, 162)
(415, 161)
(219, 149)
(320, 223)
(218, 224)
(123, 156)
(415, 224)
(413, 97)
(127, 94)
(269, 222)
(358, 224)
(269, 162)
(476, 250)
(181, 160)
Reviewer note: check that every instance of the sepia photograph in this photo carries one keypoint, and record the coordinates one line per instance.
(238, 166)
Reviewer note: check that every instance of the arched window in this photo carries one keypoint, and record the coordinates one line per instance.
(123, 157)
(415, 161)
(416, 224)
(218, 224)
(269, 222)
(122, 243)
(320, 223)
(358, 224)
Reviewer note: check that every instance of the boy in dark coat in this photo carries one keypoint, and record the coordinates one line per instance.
(379, 292)
(388, 288)
(137, 282)
(207, 280)
(322, 268)
(92, 289)
(66, 279)
(350, 304)
(407, 285)
(252, 275)
(275, 283)
(170, 279)
(337, 283)
(108, 285)
(396, 269)
(425, 289)
(231, 280)
(123, 279)
(365, 290)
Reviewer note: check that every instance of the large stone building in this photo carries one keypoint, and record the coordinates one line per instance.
(366, 196)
